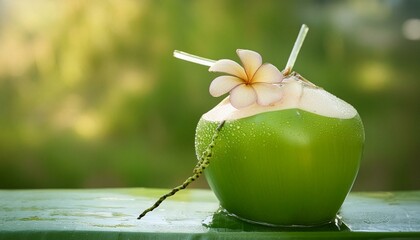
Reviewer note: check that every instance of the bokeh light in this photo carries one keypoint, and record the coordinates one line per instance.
(411, 29)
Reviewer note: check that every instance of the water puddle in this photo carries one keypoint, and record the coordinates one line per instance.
(222, 220)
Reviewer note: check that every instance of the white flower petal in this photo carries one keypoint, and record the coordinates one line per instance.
(267, 93)
(268, 73)
(250, 60)
(229, 67)
(223, 84)
(242, 96)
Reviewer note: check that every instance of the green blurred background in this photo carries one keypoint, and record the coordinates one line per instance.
(90, 95)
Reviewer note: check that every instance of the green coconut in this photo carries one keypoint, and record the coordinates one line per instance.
(291, 163)
(289, 158)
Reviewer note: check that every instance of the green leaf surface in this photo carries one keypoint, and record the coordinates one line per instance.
(191, 214)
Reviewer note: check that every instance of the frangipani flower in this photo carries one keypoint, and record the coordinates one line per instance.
(255, 82)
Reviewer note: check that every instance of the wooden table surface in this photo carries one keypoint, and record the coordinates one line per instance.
(191, 214)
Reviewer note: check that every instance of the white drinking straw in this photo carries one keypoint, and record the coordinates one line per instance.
(193, 58)
(287, 70)
(296, 48)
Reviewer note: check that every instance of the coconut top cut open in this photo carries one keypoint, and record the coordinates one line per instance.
(296, 93)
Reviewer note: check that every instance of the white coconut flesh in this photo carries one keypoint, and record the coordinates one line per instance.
(297, 94)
